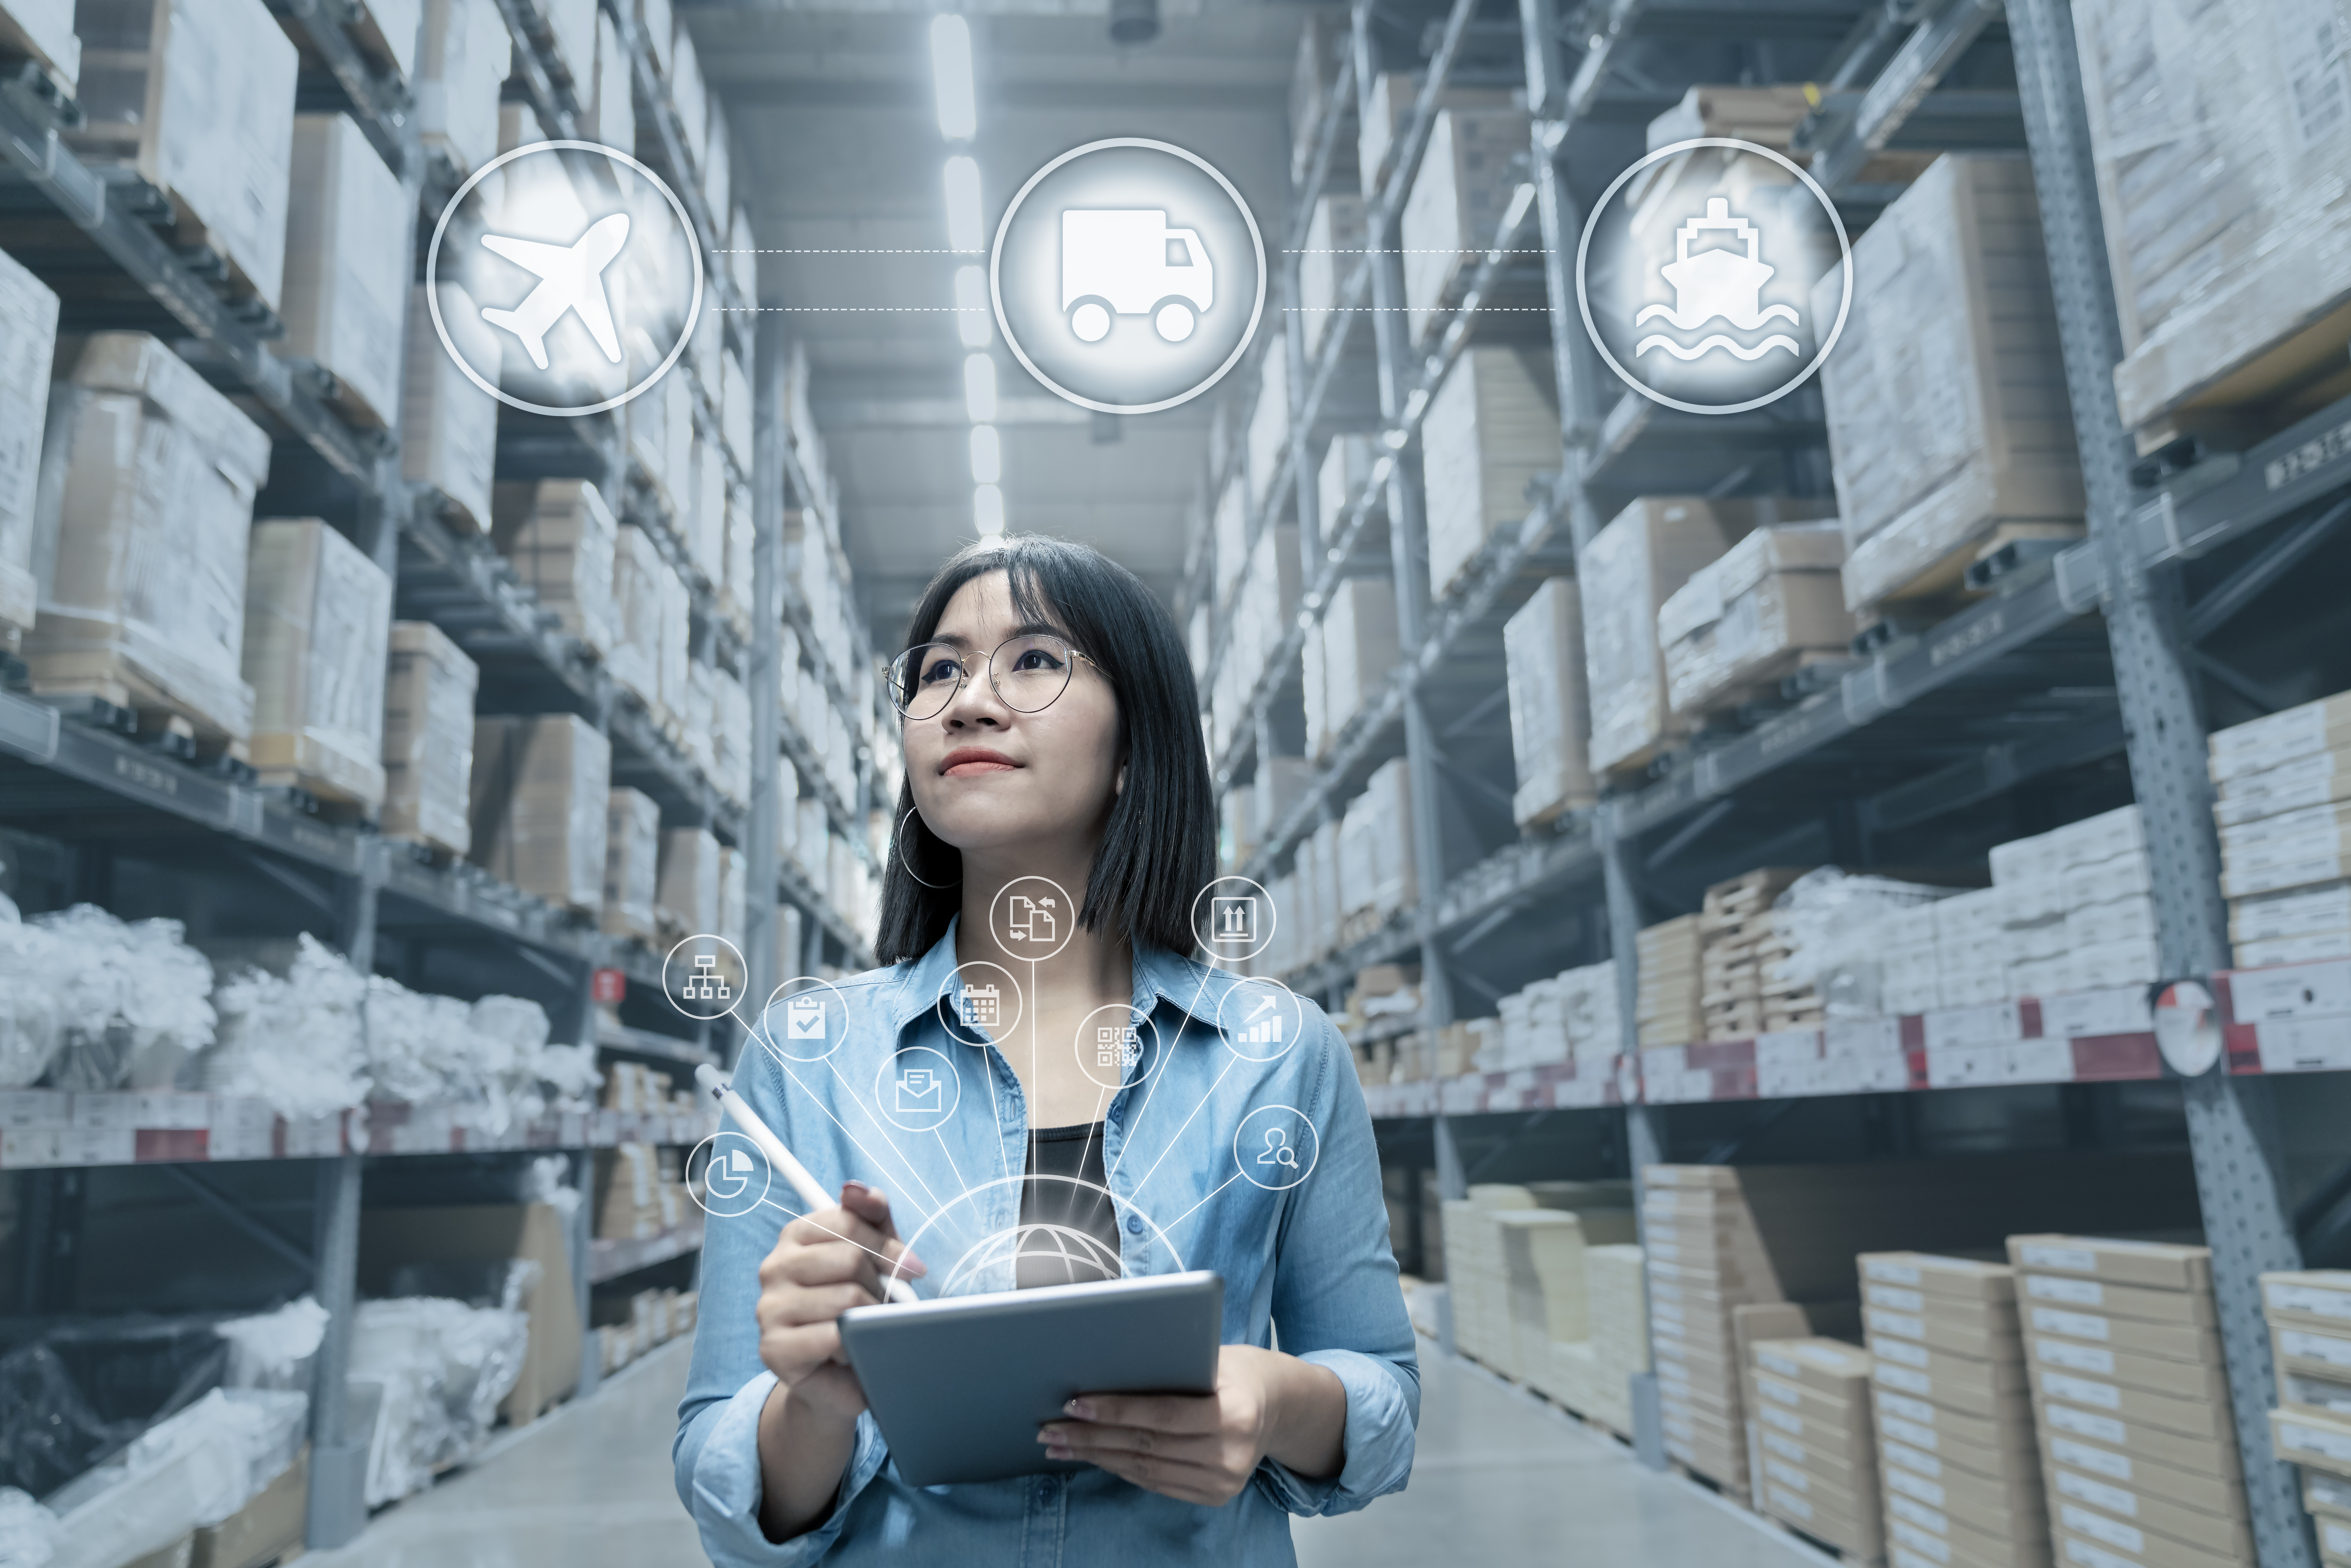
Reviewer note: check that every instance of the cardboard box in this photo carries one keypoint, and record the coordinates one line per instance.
(560, 538)
(2310, 1352)
(2013, 1470)
(390, 1238)
(2184, 1308)
(428, 737)
(1966, 1280)
(2111, 1541)
(449, 431)
(2224, 1535)
(1632, 566)
(1490, 429)
(1392, 97)
(1334, 243)
(1989, 1390)
(2314, 1442)
(1937, 1332)
(2204, 1452)
(2150, 1265)
(347, 266)
(2011, 1430)
(1987, 1535)
(1840, 1519)
(2222, 1493)
(2169, 1342)
(1770, 605)
(540, 788)
(2203, 1380)
(2263, 744)
(43, 29)
(317, 621)
(631, 864)
(2317, 1299)
(267, 1528)
(1459, 193)
(686, 898)
(464, 57)
(1551, 704)
(2195, 1417)
(28, 337)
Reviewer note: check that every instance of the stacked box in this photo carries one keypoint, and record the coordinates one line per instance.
(347, 265)
(464, 57)
(317, 616)
(1949, 423)
(1630, 568)
(2284, 811)
(1670, 1011)
(1962, 1476)
(640, 605)
(631, 864)
(1334, 247)
(1542, 648)
(540, 791)
(198, 97)
(559, 536)
(1347, 464)
(612, 113)
(2225, 179)
(449, 430)
(632, 1203)
(685, 897)
(1490, 429)
(28, 339)
(2076, 909)
(1359, 647)
(142, 586)
(704, 520)
(2309, 1316)
(1375, 848)
(2131, 1398)
(43, 29)
(1818, 1467)
(1742, 948)
(1458, 197)
(1619, 1308)
(428, 737)
(1704, 1258)
(1770, 605)
(1323, 43)
(1389, 111)
(1268, 436)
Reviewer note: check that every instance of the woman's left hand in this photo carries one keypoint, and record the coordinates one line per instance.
(1198, 1448)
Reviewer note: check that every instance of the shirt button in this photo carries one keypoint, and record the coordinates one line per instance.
(1047, 1488)
(1134, 1225)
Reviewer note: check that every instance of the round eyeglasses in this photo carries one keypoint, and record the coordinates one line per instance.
(1026, 673)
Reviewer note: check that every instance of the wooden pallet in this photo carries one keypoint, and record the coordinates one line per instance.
(1827, 1549)
(1729, 1491)
(2297, 374)
(118, 700)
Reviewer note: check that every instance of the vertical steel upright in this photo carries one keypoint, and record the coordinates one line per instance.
(2230, 1128)
(763, 673)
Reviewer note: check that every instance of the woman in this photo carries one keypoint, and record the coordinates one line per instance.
(1052, 748)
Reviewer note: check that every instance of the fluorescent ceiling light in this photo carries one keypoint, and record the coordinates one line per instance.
(972, 309)
(979, 388)
(951, 77)
(964, 231)
(986, 456)
(987, 510)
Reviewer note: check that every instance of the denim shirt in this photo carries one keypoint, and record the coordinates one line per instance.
(1311, 1259)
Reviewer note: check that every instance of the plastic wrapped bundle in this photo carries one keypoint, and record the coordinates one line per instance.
(142, 602)
(569, 1076)
(634, 652)
(1491, 428)
(631, 864)
(28, 339)
(347, 266)
(193, 1469)
(276, 1349)
(317, 616)
(443, 1367)
(1543, 647)
(1634, 565)
(686, 898)
(1837, 928)
(31, 1024)
(295, 1043)
(134, 999)
(465, 56)
(1464, 185)
(730, 730)
(428, 737)
(1770, 605)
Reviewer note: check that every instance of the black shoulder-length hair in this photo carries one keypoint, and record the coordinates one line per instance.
(1160, 848)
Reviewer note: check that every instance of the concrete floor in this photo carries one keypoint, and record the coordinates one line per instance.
(1499, 1479)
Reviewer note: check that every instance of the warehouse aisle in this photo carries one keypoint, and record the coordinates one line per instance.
(1499, 1480)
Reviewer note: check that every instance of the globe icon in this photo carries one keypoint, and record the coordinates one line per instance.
(1029, 1256)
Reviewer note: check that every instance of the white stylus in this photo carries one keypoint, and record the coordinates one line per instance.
(779, 1157)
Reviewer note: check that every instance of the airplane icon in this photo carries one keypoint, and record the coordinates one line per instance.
(572, 279)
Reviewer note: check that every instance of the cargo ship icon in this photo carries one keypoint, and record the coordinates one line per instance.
(1716, 285)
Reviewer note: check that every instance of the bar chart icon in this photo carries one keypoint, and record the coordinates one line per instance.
(1263, 1024)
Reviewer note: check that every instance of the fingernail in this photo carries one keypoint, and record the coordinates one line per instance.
(910, 1264)
(1057, 1452)
(1083, 1409)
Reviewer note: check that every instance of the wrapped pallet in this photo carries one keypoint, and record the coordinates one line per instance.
(1457, 200)
(1490, 429)
(1389, 112)
(730, 735)
(347, 266)
(43, 30)
(28, 341)
(1359, 647)
(449, 425)
(1268, 426)
(1629, 570)
(738, 593)
(572, 26)
(1771, 604)
(464, 59)
(1230, 526)
(198, 97)
(685, 900)
(676, 664)
(704, 521)
(639, 604)
(2224, 174)
(1551, 708)
(1949, 423)
(631, 864)
(428, 737)
(142, 584)
(734, 906)
(1334, 248)
(559, 536)
(318, 618)
(738, 419)
(541, 787)
(791, 945)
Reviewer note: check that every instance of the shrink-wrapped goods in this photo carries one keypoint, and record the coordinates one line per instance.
(631, 864)
(638, 605)
(1389, 112)
(685, 900)
(559, 536)
(1346, 468)
(347, 265)
(1629, 570)
(1490, 429)
(1949, 423)
(465, 56)
(1359, 647)
(611, 110)
(2284, 814)
(1550, 707)
(28, 341)
(1456, 204)
(143, 581)
(1334, 248)
(541, 790)
(730, 734)
(1767, 607)
(1269, 425)
(1323, 43)
(736, 417)
(44, 31)
(572, 26)
(318, 616)
(449, 429)
(428, 737)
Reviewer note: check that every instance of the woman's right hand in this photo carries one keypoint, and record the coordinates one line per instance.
(823, 1264)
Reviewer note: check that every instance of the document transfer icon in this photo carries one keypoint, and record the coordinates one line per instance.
(1030, 919)
(920, 1089)
(804, 1018)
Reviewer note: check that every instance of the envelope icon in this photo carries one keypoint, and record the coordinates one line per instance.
(804, 1018)
(920, 1089)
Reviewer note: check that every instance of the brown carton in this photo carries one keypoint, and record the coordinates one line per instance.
(2150, 1265)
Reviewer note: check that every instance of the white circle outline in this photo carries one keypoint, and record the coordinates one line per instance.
(1069, 924)
(807, 982)
(433, 267)
(1093, 1244)
(955, 1024)
(890, 1061)
(1296, 1010)
(996, 280)
(1583, 302)
(766, 1186)
(1309, 1124)
(671, 955)
(1134, 1211)
(1273, 921)
(1152, 1053)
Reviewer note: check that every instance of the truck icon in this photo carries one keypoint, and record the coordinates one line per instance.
(1128, 262)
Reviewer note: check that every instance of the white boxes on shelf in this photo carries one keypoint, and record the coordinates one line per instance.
(2077, 914)
(449, 431)
(1347, 464)
(1457, 200)
(1631, 568)
(1489, 430)
(465, 56)
(1768, 606)
(559, 536)
(43, 29)
(1375, 845)
(318, 616)
(631, 864)
(1550, 706)
(640, 603)
(347, 268)
(1269, 425)
(28, 341)
(540, 792)
(1360, 647)
(612, 116)
(571, 25)
(1334, 248)
(2284, 811)
(1392, 96)
(428, 737)
(142, 583)
(1947, 417)
(686, 898)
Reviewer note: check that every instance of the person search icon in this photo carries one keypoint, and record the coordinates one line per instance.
(1275, 1147)
(1277, 1151)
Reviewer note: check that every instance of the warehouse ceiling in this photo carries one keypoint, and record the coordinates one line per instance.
(837, 148)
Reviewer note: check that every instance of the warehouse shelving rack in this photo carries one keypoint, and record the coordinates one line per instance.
(1895, 750)
(87, 779)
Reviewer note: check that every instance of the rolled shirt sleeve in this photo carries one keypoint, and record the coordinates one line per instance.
(1381, 1418)
(719, 1481)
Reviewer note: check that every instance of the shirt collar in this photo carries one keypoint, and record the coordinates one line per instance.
(1192, 988)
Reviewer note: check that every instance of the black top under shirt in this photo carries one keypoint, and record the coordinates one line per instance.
(1068, 1235)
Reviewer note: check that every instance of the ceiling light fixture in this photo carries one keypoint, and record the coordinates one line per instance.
(986, 456)
(987, 511)
(973, 312)
(964, 229)
(951, 77)
(980, 389)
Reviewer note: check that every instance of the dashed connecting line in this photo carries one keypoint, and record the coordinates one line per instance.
(1431, 250)
(810, 250)
(852, 309)
(1417, 309)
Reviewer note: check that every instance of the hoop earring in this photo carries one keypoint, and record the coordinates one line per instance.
(901, 838)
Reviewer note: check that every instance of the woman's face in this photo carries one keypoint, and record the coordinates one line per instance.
(988, 778)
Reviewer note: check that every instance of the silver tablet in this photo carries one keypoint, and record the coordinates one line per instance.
(959, 1387)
